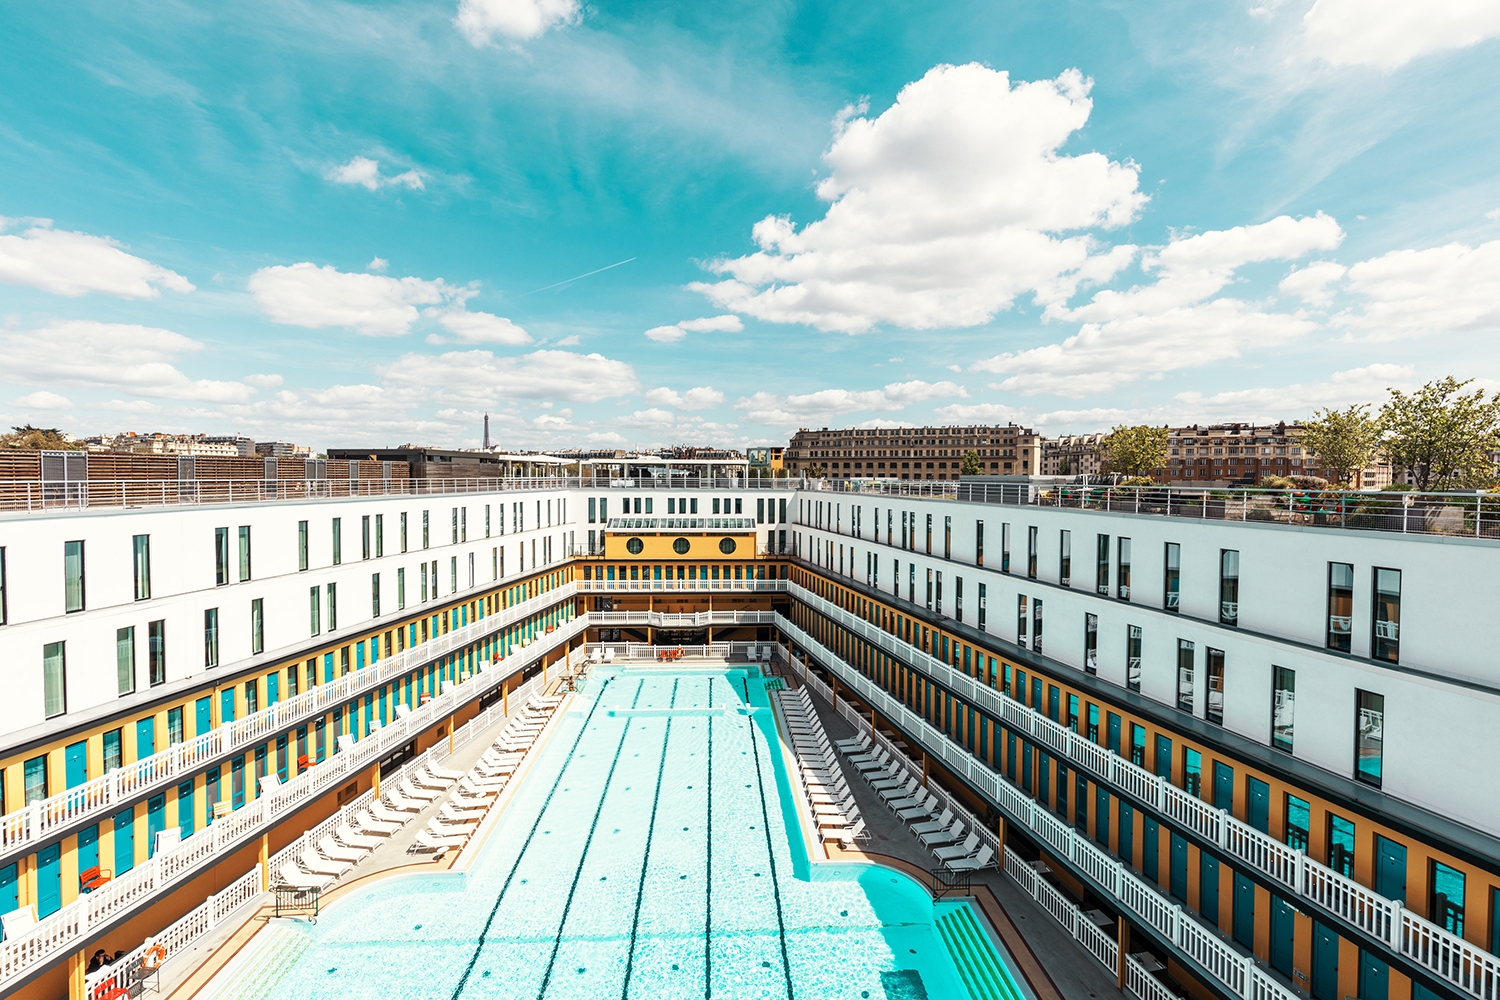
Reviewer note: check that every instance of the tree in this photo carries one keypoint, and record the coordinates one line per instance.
(1134, 451)
(816, 471)
(972, 465)
(1441, 436)
(1064, 467)
(29, 438)
(1344, 441)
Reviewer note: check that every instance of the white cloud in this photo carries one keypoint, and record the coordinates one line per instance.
(42, 400)
(986, 413)
(769, 408)
(480, 328)
(1447, 289)
(74, 264)
(647, 419)
(717, 324)
(1357, 385)
(1310, 284)
(135, 358)
(942, 210)
(372, 304)
(1493, 215)
(481, 21)
(263, 381)
(701, 398)
(572, 341)
(484, 379)
(1387, 34)
(365, 172)
(378, 265)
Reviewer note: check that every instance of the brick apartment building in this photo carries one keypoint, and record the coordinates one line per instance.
(913, 452)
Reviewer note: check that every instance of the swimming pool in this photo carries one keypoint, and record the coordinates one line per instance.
(652, 851)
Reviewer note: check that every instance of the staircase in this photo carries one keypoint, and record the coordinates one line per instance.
(978, 965)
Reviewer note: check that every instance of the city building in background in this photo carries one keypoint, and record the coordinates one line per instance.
(935, 453)
(1072, 455)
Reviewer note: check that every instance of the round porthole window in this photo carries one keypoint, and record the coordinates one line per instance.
(680, 546)
(634, 546)
(726, 545)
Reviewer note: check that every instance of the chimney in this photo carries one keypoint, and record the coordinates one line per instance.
(486, 431)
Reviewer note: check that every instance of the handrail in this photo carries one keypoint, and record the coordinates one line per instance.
(101, 796)
(676, 586)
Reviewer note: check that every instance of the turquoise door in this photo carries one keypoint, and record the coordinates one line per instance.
(1208, 887)
(1390, 869)
(1010, 756)
(10, 895)
(1258, 804)
(1283, 934)
(88, 848)
(124, 842)
(273, 688)
(156, 821)
(48, 880)
(1114, 733)
(76, 763)
(1223, 787)
(1325, 963)
(1244, 911)
(226, 706)
(1150, 846)
(145, 738)
(205, 712)
(237, 782)
(1126, 850)
(1101, 815)
(1374, 977)
(1026, 766)
(1179, 867)
(185, 809)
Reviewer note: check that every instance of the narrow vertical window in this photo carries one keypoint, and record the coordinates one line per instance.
(73, 584)
(364, 537)
(401, 589)
(1036, 624)
(463, 522)
(333, 607)
(1341, 845)
(424, 581)
(1172, 573)
(958, 598)
(1022, 618)
(125, 660)
(1387, 639)
(380, 535)
(314, 610)
(982, 602)
(929, 534)
(1031, 552)
(1214, 710)
(211, 637)
(338, 540)
(156, 651)
(1091, 643)
(140, 553)
(978, 537)
(1340, 605)
(1133, 658)
(1005, 548)
(403, 530)
(301, 545)
(1122, 575)
(1369, 737)
(221, 556)
(257, 626)
(1065, 558)
(1298, 820)
(1101, 569)
(3, 618)
(244, 552)
(54, 678)
(454, 539)
(1448, 898)
(1283, 707)
(1185, 663)
(426, 525)
(1229, 587)
(591, 510)
(947, 537)
(1192, 772)
(374, 595)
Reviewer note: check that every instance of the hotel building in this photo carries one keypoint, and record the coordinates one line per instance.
(913, 452)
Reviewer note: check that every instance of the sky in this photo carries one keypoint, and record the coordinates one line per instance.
(618, 224)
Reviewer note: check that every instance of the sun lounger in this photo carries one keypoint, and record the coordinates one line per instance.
(411, 791)
(953, 853)
(322, 866)
(845, 835)
(461, 814)
(895, 794)
(365, 823)
(947, 836)
(932, 825)
(346, 835)
(399, 801)
(443, 772)
(431, 842)
(290, 876)
(336, 852)
(981, 860)
(394, 817)
(922, 804)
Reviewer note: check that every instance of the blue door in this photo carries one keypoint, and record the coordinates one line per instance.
(185, 809)
(1114, 733)
(1150, 845)
(1101, 815)
(226, 706)
(88, 848)
(1244, 911)
(273, 688)
(1283, 934)
(205, 712)
(1325, 963)
(145, 737)
(48, 880)
(1390, 869)
(124, 842)
(1179, 867)
(10, 896)
(1126, 850)
(1010, 756)
(1223, 786)
(1258, 804)
(1208, 887)
(237, 782)
(1374, 977)
(76, 763)
(1026, 766)
(156, 821)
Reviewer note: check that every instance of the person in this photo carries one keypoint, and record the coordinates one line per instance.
(97, 962)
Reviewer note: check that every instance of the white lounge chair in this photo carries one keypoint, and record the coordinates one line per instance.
(984, 859)
(443, 772)
(311, 862)
(953, 853)
(896, 793)
(461, 814)
(947, 836)
(932, 825)
(400, 802)
(366, 823)
(291, 876)
(423, 839)
(336, 852)
(346, 835)
(411, 791)
(386, 814)
(845, 835)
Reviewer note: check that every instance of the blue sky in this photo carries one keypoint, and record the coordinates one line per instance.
(354, 223)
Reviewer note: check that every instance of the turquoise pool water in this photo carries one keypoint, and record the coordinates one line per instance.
(652, 851)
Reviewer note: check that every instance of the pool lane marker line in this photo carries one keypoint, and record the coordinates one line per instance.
(584, 856)
(765, 815)
(479, 945)
(640, 888)
(708, 863)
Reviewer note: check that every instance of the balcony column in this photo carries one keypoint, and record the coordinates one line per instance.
(1124, 950)
(77, 970)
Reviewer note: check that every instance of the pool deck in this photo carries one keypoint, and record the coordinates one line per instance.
(1056, 966)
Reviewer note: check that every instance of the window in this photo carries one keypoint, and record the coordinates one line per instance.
(113, 756)
(424, 581)
(401, 589)
(221, 556)
(54, 679)
(978, 537)
(1091, 643)
(364, 537)
(1005, 548)
(1036, 624)
(72, 576)
(244, 552)
(125, 660)
(1133, 658)
(1340, 605)
(1031, 552)
(1065, 559)
(1341, 845)
(929, 534)
(1229, 587)
(1164, 757)
(302, 545)
(380, 533)
(374, 595)
(1214, 710)
(1137, 745)
(1192, 772)
(140, 551)
(1283, 707)
(333, 607)
(338, 540)
(1387, 639)
(35, 777)
(947, 538)
(1369, 736)
(1101, 574)
(314, 610)
(1298, 816)
(1448, 898)
(1122, 576)
(403, 529)
(1173, 576)
(1185, 675)
(983, 600)
(257, 626)
(1021, 620)
(252, 697)
(211, 637)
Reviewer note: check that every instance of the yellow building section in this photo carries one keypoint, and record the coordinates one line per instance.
(657, 538)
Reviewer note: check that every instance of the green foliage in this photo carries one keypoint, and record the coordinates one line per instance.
(1134, 451)
(1442, 436)
(972, 465)
(1344, 441)
(29, 438)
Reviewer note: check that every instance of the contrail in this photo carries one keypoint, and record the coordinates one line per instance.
(545, 287)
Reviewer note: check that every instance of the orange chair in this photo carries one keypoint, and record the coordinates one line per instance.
(303, 763)
(92, 878)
